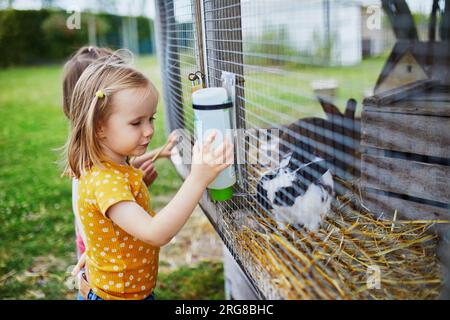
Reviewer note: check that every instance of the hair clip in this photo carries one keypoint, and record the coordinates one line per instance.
(100, 94)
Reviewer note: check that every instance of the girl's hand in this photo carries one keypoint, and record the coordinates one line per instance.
(149, 172)
(80, 264)
(208, 163)
(138, 162)
(171, 142)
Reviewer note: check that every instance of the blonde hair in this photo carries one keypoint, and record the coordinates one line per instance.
(75, 66)
(91, 105)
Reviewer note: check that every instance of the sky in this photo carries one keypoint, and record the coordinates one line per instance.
(423, 6)
(124, 7)
(133, 7)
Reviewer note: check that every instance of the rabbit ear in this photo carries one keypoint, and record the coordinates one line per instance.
(285, 161)
(350, 109)
(329, 108)
(327, 179)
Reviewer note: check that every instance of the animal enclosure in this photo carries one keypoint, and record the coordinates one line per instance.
(302, 223)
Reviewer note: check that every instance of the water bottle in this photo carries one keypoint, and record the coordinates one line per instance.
(213, 111)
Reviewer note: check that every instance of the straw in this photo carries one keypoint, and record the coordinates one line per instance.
(334, 262)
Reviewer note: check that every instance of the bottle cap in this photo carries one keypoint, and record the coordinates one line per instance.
(221, 194)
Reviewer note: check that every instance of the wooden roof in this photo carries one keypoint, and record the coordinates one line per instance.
(432, 57)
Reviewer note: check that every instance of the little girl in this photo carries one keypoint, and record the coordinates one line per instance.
(112, 114)
(73, 69)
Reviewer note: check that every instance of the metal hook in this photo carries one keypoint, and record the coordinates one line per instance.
(200, 76)
(192, 76)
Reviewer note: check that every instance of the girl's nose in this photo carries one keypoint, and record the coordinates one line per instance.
(148, 131)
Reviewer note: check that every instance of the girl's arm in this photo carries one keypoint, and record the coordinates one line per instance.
(78, 224)
(160, 229)
(80, 264)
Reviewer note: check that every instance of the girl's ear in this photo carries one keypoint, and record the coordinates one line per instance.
(101, 132)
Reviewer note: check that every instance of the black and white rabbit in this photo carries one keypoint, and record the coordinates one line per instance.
(297, 193)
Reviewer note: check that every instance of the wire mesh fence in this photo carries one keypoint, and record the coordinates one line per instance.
(311, 78)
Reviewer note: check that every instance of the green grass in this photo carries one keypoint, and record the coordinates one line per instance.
(35, 206)
(36, 220)
(184, 283)
(291, 94)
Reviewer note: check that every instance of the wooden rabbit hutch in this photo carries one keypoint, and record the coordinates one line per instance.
(391, 157)
(406, 134)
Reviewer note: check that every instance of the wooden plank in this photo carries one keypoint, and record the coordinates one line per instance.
(399, 93)
(237, 285)
(425, 135)
(198, 36)
(417, 179)
(406, 209)
(427, 108)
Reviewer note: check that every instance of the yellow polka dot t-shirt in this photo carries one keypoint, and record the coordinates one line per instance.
(120, 265)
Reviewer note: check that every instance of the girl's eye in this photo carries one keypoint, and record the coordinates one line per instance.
(139, 122)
